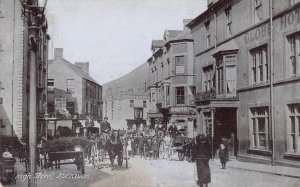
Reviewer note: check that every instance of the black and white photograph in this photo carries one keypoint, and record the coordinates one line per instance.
(150, 93)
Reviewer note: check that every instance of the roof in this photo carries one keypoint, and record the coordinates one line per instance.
(157, 43)
(186, 34)
(76, 69)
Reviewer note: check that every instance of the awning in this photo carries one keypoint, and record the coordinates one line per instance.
(154, 115)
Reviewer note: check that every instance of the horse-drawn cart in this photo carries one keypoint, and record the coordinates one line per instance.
(76, 158)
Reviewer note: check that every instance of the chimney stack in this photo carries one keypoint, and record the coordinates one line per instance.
(58, 53)
(83, 65)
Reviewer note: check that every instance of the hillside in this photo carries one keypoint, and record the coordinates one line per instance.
(136, 79)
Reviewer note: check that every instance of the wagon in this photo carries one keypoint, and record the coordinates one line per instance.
(76, 158)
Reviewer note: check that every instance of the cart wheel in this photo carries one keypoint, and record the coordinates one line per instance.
(180, 155)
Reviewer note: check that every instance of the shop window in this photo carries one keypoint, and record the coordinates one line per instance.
(293, 126)
(180, 95)
(293, 65)
(259, 128)
(70, 86)
(179, 61)
(259, 65)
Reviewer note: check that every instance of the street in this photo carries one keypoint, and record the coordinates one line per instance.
(162, 173)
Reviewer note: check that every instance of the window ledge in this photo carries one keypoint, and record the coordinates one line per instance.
(292, 156)
(259, 152)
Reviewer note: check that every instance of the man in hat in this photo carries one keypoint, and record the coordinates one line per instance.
(105, 126)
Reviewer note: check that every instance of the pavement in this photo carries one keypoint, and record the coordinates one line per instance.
(261, 168)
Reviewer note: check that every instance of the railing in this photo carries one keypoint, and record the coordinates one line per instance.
(205, 96)
(212, 95)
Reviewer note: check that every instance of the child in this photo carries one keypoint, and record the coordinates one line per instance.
(223, 154)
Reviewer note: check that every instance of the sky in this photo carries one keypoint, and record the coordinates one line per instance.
(114, 36)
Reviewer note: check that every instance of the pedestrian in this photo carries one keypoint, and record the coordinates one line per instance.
(223, 154)
(202, 154)
(173, 131)
(129, 148)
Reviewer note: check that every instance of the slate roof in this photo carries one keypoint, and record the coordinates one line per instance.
(157, 43)
(186, 34)
(76, 69)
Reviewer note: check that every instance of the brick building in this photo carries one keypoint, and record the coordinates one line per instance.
(171, 79)
(234, 64)
(15, 71)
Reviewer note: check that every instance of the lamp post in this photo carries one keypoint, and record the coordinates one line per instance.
(35, 15)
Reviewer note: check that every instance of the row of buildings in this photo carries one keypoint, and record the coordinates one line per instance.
(233, 72)
(60, 90)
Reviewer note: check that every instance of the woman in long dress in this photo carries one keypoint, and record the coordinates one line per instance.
(202, 154)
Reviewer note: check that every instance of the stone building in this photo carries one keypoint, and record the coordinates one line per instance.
(127, 109)
(171, 79)
(71, 87)
(15, 46)
(247, 82)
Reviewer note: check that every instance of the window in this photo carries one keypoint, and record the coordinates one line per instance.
(208, 123)
(293, 54)
(208, 78)
(228, 21)
(71, 107)
(138, 113)
(179, 62)
(131, 103)
(208, 40)
(144, 104)
(293, 128)
(259, 128)
(112, 104)
(1, 124)
(259, 65)
(112, 114)
(50, 85)
(180, 95)
(220, 76)
(257, 11)
(70, 86)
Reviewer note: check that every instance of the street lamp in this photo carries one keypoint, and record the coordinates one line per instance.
(34, 13)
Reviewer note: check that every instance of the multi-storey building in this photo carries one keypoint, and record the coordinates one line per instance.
(171, 79)
(127, 108)
(71, 88)
(16, 46)
(247, 77)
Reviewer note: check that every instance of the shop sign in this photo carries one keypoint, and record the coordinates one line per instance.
(180, 109)
(60, 103)
(290, 18)
(137, 97)
(258, 33)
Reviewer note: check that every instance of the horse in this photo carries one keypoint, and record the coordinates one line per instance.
(114, 147)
